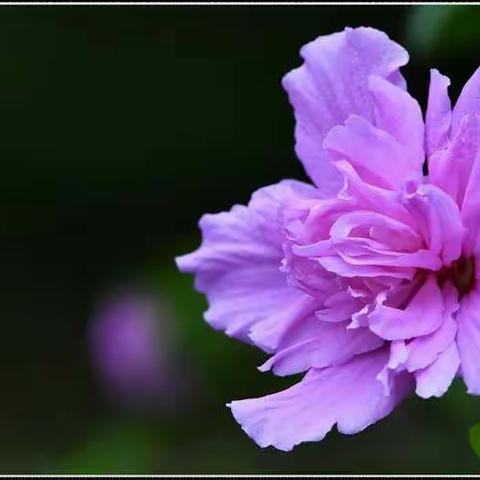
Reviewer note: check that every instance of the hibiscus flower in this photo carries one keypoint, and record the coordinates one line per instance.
(366, 279)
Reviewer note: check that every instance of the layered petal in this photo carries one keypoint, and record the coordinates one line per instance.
(361, 195)
(331, 85)
(369, 238)
(327, 344)
(434, 380)
(424, 350)
(375, 154)
(432, 358)
(438, 118)
(339, 307)
(343, 268)
(423, 315)
(438, 220)
(238, 267)
(398, 113)
(468, 101)
(348, 395)
(468, 341)
(456, 168)
(450, 169)
(397, 357)
(470, 207)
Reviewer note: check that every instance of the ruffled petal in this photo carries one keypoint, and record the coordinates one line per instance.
(456, 170)
(375, 227)
(424, 350)
(339, 307)
(396, 359)
(348, 395)
(468, 341)
(434, 380)
(370, 238)
(328, 344)
(468, 101)
(331, 85)
(450, 169)
(399, 114)
(342, 268)
(364, 196)
(238, 267)
(423, 315)
(439, 221)
(471, 202)
(376, 155)
(439, 113)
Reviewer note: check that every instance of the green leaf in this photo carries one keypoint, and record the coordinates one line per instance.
(475, 438)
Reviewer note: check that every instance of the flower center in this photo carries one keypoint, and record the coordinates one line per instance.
(461, 273)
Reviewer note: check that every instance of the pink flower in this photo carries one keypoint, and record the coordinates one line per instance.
(129, 342)
(366, 281)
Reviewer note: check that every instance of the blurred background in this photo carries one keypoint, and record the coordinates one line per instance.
(119, 128)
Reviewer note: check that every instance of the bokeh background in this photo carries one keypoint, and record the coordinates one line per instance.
(119, 128)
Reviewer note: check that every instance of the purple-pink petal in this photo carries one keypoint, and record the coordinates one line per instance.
(468, 341)
(398, 113)
(438, 118)
(424, 350)
(423, 315)
(450, 169)
(328, 344)
(434, 380)
(331, 85)
(468, 102)
(238, 266)
(439, 221)
(348, 395)
(366, 148)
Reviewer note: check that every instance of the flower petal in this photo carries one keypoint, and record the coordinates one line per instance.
(379, 228)
(450, 169)
(338, 265)
(328, 344)
(399, 114)
(339, 307)
(368, 197)
(439, 113)
(397, 357)
(423, 315)
(331, 85)
(434, 380)
(471, 203)
(375, 154)
(468, 341)
(423, 351)
(439, 220)
(369, 238)
(348, 395)
(468, 101)
(238, 267)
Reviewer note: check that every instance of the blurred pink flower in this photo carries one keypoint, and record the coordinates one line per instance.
(130, 343)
